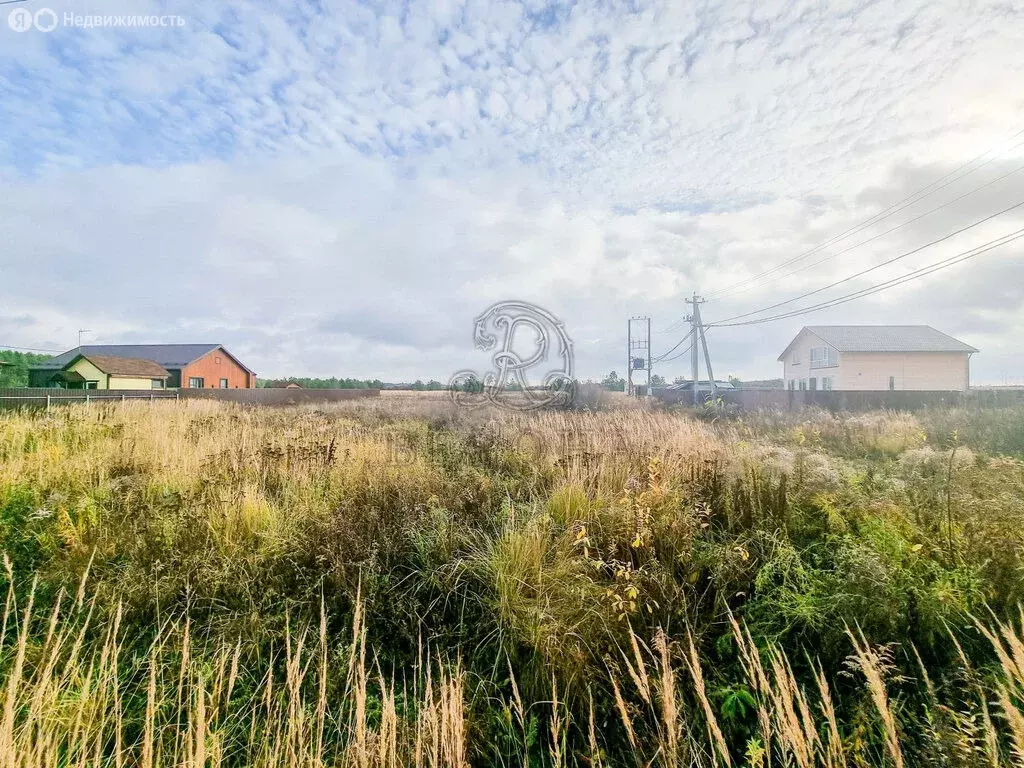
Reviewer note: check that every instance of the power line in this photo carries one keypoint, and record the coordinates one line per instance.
(29, 349)
(677, 356)
(686, 351)
(661, 358)
(891, 283)
(889, 231)
(917, 196)
(922, 272)
(872, 269)
(921, 194)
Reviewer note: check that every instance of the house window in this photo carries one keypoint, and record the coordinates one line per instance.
(91, 384)
(813, 384)
(156, 383)
(803, 384)
(796, 357)
(826, 383)
(824, 357)
(892, 382)
(223, 383)
(196, 382)
(792, 384)
(216, 361)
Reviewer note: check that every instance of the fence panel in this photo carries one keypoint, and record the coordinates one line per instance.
(45, 397)
(899, 400)
(278, 396)
(40, 397)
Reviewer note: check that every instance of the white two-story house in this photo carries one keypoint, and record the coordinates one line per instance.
(876, 357)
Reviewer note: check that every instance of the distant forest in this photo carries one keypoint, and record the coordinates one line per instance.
(16, 374)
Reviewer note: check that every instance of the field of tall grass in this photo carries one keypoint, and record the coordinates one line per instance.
(404, 583)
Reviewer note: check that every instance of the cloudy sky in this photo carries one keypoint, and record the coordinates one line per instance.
(339, 188)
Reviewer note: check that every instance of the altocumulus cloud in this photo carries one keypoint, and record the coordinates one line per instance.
(340, 190)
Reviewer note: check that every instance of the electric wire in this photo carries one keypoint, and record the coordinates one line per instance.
(756, 281)
(917, 196)
(924, 271)
(663, 357)
(873, 268)
(889, 231)
(681, 354)
(29, 349)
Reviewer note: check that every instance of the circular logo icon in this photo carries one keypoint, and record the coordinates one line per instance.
(524, 339)
(46, 20)
(20, 20)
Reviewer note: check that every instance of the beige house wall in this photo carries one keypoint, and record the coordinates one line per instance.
(106, 381)
(918, 371)
(129, 382)
(90, 372)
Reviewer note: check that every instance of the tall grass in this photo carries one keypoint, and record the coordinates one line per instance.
(68, 701)
(404, 583)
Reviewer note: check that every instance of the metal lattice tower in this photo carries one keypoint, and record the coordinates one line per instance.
(638, 340)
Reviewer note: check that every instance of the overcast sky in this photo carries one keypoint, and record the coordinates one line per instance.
(339, 188)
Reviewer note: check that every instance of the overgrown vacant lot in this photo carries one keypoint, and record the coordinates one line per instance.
(405, 583)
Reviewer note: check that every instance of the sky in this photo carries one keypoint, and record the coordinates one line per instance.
(341, 188)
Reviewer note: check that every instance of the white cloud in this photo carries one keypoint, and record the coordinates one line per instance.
(343, 191)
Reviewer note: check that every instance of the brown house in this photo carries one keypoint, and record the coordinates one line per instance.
(188, 366)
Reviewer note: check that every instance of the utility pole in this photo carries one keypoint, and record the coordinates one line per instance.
(629, 357)
(638, 352)
(650, 363)
(707, 357)
(697, 336)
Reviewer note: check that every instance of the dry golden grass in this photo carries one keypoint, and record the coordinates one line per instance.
(587, 513)
(67, 708)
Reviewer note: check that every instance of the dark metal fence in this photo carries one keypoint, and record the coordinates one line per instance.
(902, 400)
(45, 397)
(38, 397)
(279, 396)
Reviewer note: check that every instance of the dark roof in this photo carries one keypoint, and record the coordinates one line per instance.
(69, 376)
(884, 338)
(166, 355)
(125, 366)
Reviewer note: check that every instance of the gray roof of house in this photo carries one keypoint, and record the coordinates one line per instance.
(167, 355)
(887, 338)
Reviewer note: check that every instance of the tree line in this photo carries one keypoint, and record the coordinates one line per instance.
(15, 372)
